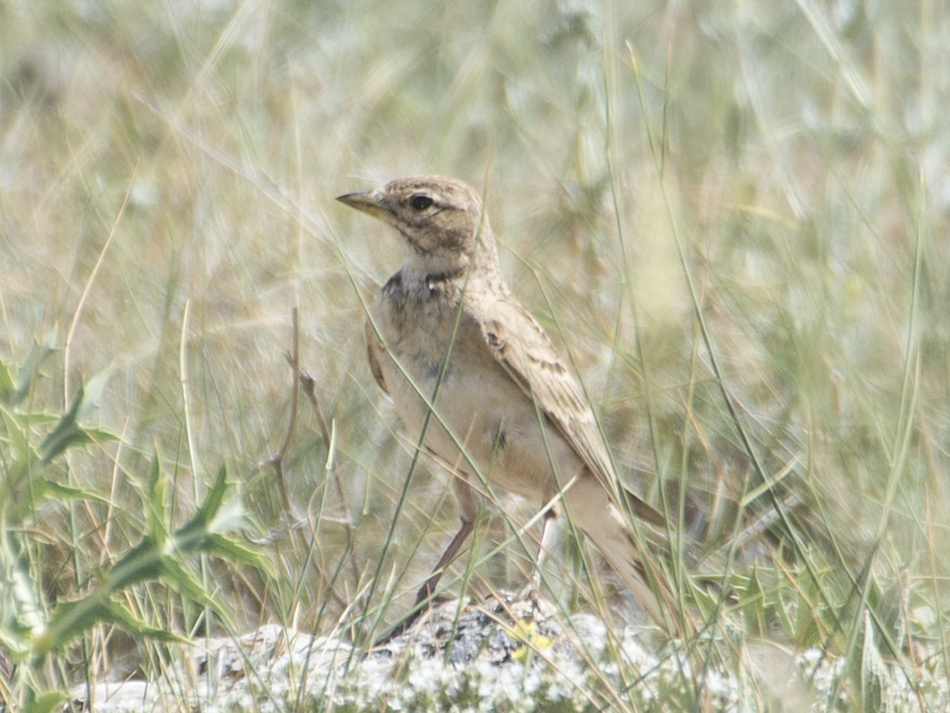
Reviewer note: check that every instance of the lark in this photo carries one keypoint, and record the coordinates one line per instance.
(478, 383)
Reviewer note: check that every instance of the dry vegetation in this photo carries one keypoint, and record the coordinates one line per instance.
(734, 215)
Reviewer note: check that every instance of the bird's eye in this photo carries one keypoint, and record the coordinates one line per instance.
(420, 202)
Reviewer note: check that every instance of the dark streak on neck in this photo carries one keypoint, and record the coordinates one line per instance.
(436, 278)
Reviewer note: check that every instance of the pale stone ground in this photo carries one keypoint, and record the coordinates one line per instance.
(511, 656)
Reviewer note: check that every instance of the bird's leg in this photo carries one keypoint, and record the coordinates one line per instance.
(546, 526)
(428, 589)
(550, 515)
(467, 499)
(468, 509)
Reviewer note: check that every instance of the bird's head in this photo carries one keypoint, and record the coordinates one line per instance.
(440, 220)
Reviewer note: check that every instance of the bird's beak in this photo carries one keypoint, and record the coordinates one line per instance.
(365, 201)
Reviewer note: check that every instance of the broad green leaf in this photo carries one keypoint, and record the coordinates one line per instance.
(17, 437)
(92, 392)
(122, 616)
(100, 435)
(34, 361)
(67, 432)
(184, 581)
(235, 551)
(156, 557)
(212, 502)
(43, 488)
(6, 382)
(45, 702)
(142, 563)
(193, 535)
(72, 619)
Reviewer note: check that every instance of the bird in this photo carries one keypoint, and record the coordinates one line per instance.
(475, 378)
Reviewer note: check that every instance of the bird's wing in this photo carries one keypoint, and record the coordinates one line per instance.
(519, 344)
(374, 353)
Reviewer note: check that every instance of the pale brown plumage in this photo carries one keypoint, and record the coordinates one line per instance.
(445, 330)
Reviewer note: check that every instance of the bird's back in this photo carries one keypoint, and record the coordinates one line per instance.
(479, 404)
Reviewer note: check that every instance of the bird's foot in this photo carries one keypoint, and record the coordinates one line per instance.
(411, 620)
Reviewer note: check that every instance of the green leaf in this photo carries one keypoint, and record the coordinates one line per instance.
(21, 608)
(155, 502)
(72, 619)
(100, 435)
(67, 432)
(45, 702)
(212, 503)
(123, 617)
(36, 358)
(184, 581)
(234, 551)
(193, 536)
(92, 393)
(43, 488)
(6, 382)
(142, 563)
(156, 557)
(17, 437)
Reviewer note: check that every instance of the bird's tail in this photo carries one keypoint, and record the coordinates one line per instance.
(604, 523)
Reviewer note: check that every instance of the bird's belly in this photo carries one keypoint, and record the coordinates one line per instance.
(483, 426)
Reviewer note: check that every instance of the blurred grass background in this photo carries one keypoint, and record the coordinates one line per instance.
(711, 203)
